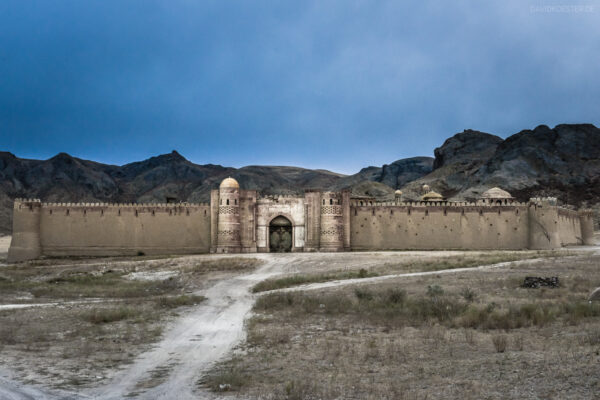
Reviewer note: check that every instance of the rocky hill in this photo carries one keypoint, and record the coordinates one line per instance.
(562, 162)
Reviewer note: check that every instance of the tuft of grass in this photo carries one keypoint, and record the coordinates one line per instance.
(468, 295)
(179, 301)
(108, 315)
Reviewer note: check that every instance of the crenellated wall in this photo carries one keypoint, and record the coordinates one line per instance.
(438, 225)
(102, 229)
(239, 221)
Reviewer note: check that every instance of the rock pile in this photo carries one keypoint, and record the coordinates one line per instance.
(535, 282)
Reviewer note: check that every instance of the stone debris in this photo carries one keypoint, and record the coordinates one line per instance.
(535, 282)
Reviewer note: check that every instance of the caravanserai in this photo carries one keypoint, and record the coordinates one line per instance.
(241, 221)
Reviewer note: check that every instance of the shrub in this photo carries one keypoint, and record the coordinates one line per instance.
(396, 296)
(499, 342)
(434, 291)
(363, 294)
(468, 294)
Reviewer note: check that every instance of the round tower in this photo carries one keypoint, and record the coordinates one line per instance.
(587, 227)
(25, 243)
(228, 226)
(332, 222)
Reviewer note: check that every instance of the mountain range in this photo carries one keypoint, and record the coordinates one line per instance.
(563, 162)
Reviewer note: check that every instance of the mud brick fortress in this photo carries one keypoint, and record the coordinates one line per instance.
(239, 221)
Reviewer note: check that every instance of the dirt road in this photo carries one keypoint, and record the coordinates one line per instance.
(197, 340)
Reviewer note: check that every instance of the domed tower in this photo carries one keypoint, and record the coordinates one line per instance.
(228, 226)
(398, 195)
(496, 195)
(332, 223)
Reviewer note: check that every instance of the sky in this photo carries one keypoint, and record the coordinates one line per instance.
(338, 85)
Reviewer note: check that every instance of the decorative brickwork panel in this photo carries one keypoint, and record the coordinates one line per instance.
(332, 231)
(228, 233)
(228, 210)
(331, 210)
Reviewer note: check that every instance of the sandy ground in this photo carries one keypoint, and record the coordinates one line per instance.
(207, 333)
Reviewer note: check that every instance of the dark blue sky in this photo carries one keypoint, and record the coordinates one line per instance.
(321, 84)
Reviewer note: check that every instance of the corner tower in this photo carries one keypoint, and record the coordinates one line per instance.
(228, 225)
(25, 244)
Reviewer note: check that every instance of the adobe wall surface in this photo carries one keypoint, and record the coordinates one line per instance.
(438, 226)
(270, 207)
(120, 229)
(569, 227)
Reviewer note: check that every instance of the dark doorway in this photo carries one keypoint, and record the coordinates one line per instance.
(280, 235)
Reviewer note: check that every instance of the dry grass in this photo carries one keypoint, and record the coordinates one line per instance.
(460, 261)
(471, 335)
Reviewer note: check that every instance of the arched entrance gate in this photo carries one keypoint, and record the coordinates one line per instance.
(280, 235)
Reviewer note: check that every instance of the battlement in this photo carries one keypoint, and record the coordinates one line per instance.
(277, 197)
(19, 201)
(434, 204)
(551, 201)
(126, 205)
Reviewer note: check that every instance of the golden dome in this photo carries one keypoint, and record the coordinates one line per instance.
(432, 196)
(398, 192)
(426, 189)
(229, 183)
(496, 193)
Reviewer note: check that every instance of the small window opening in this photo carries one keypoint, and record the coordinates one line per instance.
(227, 202)
(330, 202)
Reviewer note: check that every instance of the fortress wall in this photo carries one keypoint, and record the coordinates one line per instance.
(569, 227)
(466, 226)
(124, 229)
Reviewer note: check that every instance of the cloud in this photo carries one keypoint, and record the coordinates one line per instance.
(323, 84)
